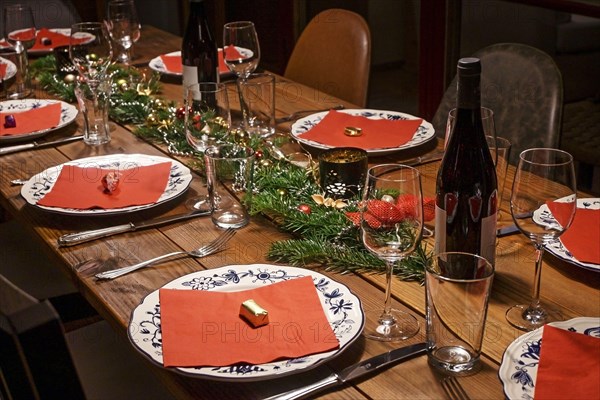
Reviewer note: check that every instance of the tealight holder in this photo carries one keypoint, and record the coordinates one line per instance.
(342, 172)
(64, 66)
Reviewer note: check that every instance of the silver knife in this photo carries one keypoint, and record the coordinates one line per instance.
(36, 145)
(354, 371)
(507, 230)
(426, 159)
(71, 239)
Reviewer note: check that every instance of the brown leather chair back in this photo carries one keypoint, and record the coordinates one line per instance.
(333, 55)
(524, 88)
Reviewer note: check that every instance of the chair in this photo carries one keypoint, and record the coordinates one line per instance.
(333, 55)
(523, 86)
(40, 361)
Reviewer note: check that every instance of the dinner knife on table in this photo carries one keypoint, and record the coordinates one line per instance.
(71, 239)
(37, 145)
(354, 371)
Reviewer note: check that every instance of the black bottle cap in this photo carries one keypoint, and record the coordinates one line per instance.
(469, 66)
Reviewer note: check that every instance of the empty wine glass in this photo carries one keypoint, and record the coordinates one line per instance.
(241, 53)
(391, 227)
(207, 120)
(124, 28)
(20, 33)
(543, 176)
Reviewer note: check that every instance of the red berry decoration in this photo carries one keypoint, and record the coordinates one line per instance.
(387, 213)
(180, 113)
(305, 208)
(259, 155)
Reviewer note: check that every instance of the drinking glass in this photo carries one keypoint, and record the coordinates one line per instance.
(391, 226)
(543, 176)
(241, 53)
(207, 121)
(20, 33)
(124, 27)
(90, 51)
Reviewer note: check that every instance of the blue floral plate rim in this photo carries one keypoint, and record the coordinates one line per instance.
(518, 369)
(342, 307)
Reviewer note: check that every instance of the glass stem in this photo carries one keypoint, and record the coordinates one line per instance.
(535, 291)
(389, 272)
(243, 105)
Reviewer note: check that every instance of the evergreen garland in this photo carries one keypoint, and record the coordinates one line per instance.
(281, 191)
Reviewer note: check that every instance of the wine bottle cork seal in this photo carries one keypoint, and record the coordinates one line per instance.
(253, 313)
(352, 131)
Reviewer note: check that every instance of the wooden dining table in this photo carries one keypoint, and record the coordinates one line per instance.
(574, 290)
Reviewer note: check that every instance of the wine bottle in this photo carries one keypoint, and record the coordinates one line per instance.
(199, 54)
(466, 187)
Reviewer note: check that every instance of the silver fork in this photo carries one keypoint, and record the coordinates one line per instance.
(453, 389)
(203, 251)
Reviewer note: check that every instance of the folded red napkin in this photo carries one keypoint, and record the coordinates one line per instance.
(173, 63)
(569, 366)
(203, 328)
(376, 133)
(582, 238)
(82, 188)
(53, 39)
(33, 120)
(2, 70)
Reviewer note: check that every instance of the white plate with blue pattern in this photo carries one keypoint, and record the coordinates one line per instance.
(38, 185)
(68, 113)
(543, 216)
(518, 370)
(342, 309)
(424, 133)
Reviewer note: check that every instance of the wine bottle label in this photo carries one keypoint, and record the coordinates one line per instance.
(190, 75)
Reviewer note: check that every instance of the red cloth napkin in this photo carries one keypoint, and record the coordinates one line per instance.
(569, 366)
(57, 39)
(82, 188)
(173, 63)
(582, 238)
(2, 70)
(376, 133)
(203, 328)
(33, 120)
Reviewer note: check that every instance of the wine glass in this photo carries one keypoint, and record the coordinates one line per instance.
(543, 176)
(20, 33)
(391, 226)
(241, 54)
(124, 27)
(207, 121)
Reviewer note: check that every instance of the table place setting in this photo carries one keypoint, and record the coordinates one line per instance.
(47, 40)
(579, 245)
(329, 317)
(138, 182)
(170, 63)
(560, 360)
(27, 119)
(378, 132)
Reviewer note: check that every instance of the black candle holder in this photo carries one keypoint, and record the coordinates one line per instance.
(342, 172)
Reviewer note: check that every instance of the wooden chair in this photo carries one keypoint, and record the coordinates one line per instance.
(333, 55)
(39, 361)
(524, 88)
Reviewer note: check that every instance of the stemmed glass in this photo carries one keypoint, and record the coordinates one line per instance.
(391, 227)
(124, 27)
(207, 120)
(20, 33)
(543, 176)
(241, 53)
(90, 51)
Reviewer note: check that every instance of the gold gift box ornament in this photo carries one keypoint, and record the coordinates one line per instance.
(254, 314)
